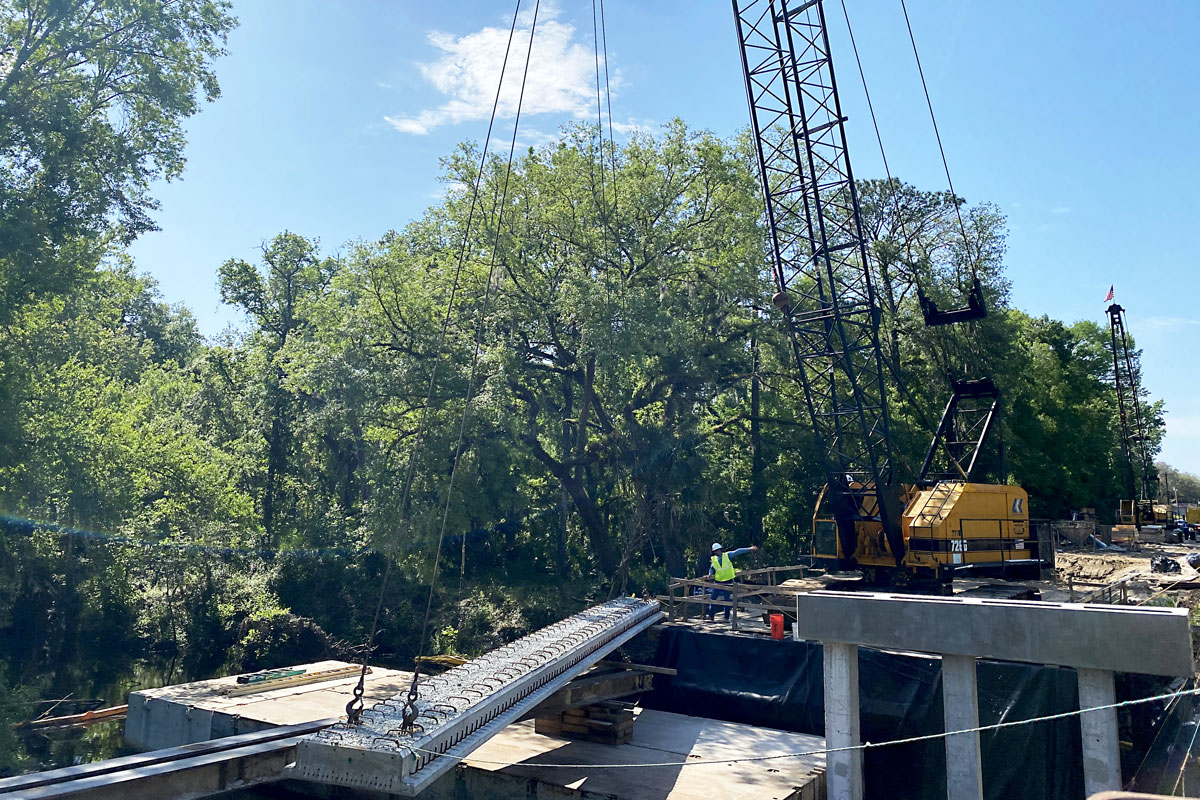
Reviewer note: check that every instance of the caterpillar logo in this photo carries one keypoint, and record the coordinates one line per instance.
(1018, 507)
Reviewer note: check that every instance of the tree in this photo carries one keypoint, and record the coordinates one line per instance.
(278, 298)
(623, 318)
(112, 483)
(93, 96)
(1183, 485)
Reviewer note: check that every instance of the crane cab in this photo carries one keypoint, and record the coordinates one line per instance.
(949, 527)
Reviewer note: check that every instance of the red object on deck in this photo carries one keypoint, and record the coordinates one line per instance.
(777, 626)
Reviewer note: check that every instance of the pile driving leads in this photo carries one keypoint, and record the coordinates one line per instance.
(461, 709)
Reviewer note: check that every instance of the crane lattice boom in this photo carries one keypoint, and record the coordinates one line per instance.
(819, 256)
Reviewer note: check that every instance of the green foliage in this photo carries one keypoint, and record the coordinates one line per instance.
(1177, 483)
(445, 641)
(208, 506)
(16, 706)
(94, 94)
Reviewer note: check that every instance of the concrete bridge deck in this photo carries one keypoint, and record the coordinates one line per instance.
(203, 710)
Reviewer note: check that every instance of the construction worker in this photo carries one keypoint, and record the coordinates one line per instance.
(721, 570)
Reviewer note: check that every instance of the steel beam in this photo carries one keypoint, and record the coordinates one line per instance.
(191, 770)
(461, 709)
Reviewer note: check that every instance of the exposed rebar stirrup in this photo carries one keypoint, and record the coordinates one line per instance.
(403, 744)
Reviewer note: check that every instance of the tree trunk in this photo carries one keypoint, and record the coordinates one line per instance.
(560, 539)
(276, 464)
(757, 507)
(597, 533)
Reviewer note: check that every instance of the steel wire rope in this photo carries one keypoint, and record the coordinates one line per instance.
(879, 138)
(409, 714)
(895, 195)
(599, 121)
(611, 142)
(941, 150)
(1181, 780)
(610, 224)
(847, 748)
(355, 706)
(614, 222)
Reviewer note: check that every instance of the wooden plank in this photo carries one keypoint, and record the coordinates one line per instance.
(70, 720)
(594, 688)
(337, 673)
(662, 737)
(639, 667)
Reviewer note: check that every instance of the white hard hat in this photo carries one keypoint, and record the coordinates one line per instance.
(716, 546)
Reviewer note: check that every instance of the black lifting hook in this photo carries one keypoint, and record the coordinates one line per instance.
(354, 708)
(408, 717)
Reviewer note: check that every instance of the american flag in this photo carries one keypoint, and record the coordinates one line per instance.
(1109, 296)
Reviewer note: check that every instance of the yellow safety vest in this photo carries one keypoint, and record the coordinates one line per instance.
(723, 568)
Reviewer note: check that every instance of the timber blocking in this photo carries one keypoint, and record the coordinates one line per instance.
(610, 722)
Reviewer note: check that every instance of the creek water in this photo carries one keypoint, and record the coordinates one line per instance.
(45, 749)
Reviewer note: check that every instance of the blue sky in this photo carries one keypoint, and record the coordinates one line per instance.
(1078, 119)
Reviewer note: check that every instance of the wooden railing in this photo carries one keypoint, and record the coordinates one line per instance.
(685, 593)
(1113, 594)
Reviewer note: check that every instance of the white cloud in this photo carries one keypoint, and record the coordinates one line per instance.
(1061, 210)
(635, 126)
(1168, 323)
(562, 74)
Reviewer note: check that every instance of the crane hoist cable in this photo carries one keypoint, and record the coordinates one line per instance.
(941, 150)
(354, 708)
(887, 171)
(600, 40)
(608, 102)
(409, 714)
(599, 118)
(933, 316)
(894, 187)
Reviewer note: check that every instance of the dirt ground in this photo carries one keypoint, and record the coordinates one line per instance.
(1086, 569)
(1099, 567)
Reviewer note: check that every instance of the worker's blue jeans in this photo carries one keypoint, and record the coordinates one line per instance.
(716, 593)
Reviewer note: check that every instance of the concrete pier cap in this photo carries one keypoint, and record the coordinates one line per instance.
(1097, 640)
(1153, 641)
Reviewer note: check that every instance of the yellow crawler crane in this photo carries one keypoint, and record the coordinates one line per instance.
(950, 527)
(958, 524)
(828, 299)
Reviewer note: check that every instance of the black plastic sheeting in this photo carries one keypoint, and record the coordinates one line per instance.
(1165, 767)
(778, 684)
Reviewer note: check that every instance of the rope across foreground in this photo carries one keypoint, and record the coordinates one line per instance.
(864, 746)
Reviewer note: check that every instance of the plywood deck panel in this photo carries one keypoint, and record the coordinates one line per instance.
(662, 737)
